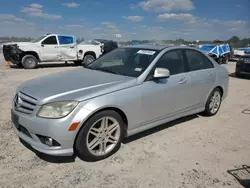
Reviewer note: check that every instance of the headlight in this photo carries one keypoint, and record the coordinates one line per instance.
(56, 110)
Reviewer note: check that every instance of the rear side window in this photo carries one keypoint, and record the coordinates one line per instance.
(50, 41)
(173, 61)
(197, 61)
(65, 40)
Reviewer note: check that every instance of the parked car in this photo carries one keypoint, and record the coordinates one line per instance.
(243, 66)
(108, 45)
(88, 111)
(50, 48)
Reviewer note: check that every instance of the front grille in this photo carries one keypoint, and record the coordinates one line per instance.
(24, 103)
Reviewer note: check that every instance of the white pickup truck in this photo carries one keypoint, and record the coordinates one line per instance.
(51, 48)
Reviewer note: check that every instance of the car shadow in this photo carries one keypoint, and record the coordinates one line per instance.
(158, 129)
(242, 175)
(50, 65)
(49, 158)
(245, 77)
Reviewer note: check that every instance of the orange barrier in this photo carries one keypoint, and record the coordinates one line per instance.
(8, 63)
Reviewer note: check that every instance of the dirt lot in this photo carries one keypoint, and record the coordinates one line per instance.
(190, 152)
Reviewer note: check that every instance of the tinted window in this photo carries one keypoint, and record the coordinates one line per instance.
(173, 61)
(197, 61)
(50, 40)
(65, 40)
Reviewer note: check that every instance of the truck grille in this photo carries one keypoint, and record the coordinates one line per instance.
(24, 103)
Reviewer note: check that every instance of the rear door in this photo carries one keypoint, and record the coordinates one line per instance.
(202, 74)
(68, 47)
(49, 50)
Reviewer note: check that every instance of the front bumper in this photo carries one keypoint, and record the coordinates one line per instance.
(243, 68)
(32, 127)
(12, 53)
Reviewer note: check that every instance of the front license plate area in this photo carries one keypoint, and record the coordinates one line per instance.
(14, 119)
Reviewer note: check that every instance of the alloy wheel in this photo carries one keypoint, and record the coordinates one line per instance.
(103, 136)
(215, 102)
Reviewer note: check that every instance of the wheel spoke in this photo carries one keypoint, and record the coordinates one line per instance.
(95, 142)
(94, 131)
(112, 127)
(103, 147)
(104, 123)
(112, 140)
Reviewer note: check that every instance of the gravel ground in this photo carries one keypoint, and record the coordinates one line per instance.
(190, 152)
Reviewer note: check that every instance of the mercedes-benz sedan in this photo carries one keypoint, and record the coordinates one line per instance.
(88, 111)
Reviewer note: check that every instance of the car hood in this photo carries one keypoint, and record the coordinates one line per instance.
(78, 84)
(19, 43)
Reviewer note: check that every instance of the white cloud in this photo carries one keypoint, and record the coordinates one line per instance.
(133, 6)
(35, 10)
(183, 17)
(75, 26)
(166, 5)
(109, 25)
(37, 6)
(134, 18)
(71, 5)
(11, 17)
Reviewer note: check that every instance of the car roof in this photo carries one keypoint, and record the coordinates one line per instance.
(148, 46)
(158, 47)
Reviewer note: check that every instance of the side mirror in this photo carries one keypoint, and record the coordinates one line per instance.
(161, 73)
(42, 45)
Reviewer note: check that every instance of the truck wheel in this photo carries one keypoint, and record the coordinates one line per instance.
(78, 62)
(220, 60)
(225, 60)
(29, 62)
(88, 59)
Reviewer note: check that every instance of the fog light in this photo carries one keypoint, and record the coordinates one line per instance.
(48, 141)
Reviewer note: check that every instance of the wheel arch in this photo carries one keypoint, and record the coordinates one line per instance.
(90, 53)
(35, 54)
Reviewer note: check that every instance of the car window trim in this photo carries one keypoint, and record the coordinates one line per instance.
(42, 42)
(148, 77)
(186, 59)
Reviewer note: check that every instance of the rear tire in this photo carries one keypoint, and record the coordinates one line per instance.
(29, 62)
(88, 59)
(213, 103)
(100, 137)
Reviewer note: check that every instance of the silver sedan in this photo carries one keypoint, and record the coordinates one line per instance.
(88, 111)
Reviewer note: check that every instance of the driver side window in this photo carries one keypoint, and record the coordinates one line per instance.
(173, 61)
(50, 41)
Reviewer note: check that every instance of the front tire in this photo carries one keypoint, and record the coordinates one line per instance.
(29, 62)
(88, 59)
(100, 136)
(213, 103)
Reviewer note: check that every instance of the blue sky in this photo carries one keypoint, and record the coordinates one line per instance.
(133, 19)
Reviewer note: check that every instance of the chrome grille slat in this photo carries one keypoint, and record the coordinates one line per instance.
(24, 103)
(23, 110)
(27, 98)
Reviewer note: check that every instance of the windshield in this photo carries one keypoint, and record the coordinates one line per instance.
(37, 39)
(125, 61)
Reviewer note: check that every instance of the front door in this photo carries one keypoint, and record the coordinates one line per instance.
(50, 50)
(167, 97)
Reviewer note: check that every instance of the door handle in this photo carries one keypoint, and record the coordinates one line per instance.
(56, 47)
(183, 81)
(210, 74)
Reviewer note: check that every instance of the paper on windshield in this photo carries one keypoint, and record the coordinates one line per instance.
(146, 52)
